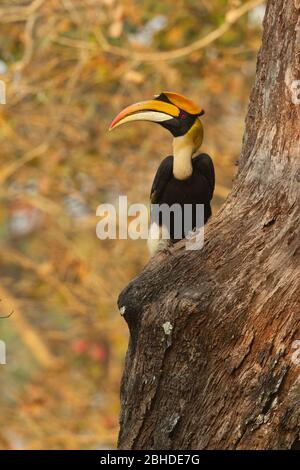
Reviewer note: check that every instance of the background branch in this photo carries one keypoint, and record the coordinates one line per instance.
(231, 18)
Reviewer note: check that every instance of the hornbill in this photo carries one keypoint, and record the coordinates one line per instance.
(186, 177)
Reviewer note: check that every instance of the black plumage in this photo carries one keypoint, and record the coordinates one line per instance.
(197, 189)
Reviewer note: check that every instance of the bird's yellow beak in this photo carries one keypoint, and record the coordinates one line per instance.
(151, 110)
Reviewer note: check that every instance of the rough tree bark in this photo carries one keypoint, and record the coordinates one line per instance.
(223, 377)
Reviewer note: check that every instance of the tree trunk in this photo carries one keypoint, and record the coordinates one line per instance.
(210, 360)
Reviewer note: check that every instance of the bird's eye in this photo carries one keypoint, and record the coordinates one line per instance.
(183, 115)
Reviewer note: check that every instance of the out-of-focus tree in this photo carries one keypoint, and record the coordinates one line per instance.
(69, 66)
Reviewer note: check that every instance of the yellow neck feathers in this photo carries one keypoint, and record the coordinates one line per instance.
(184, 148)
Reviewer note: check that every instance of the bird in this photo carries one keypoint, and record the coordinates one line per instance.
(185, 178)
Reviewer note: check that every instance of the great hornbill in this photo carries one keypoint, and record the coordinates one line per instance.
(188, 176)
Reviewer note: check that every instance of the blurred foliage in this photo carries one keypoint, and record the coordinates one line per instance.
(66, 340)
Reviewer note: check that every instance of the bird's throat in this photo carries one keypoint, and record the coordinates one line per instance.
(182, 154)
(184, 148)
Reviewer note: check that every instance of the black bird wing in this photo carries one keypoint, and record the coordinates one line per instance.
(163, 175)
(197, 189)
(204, 164)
